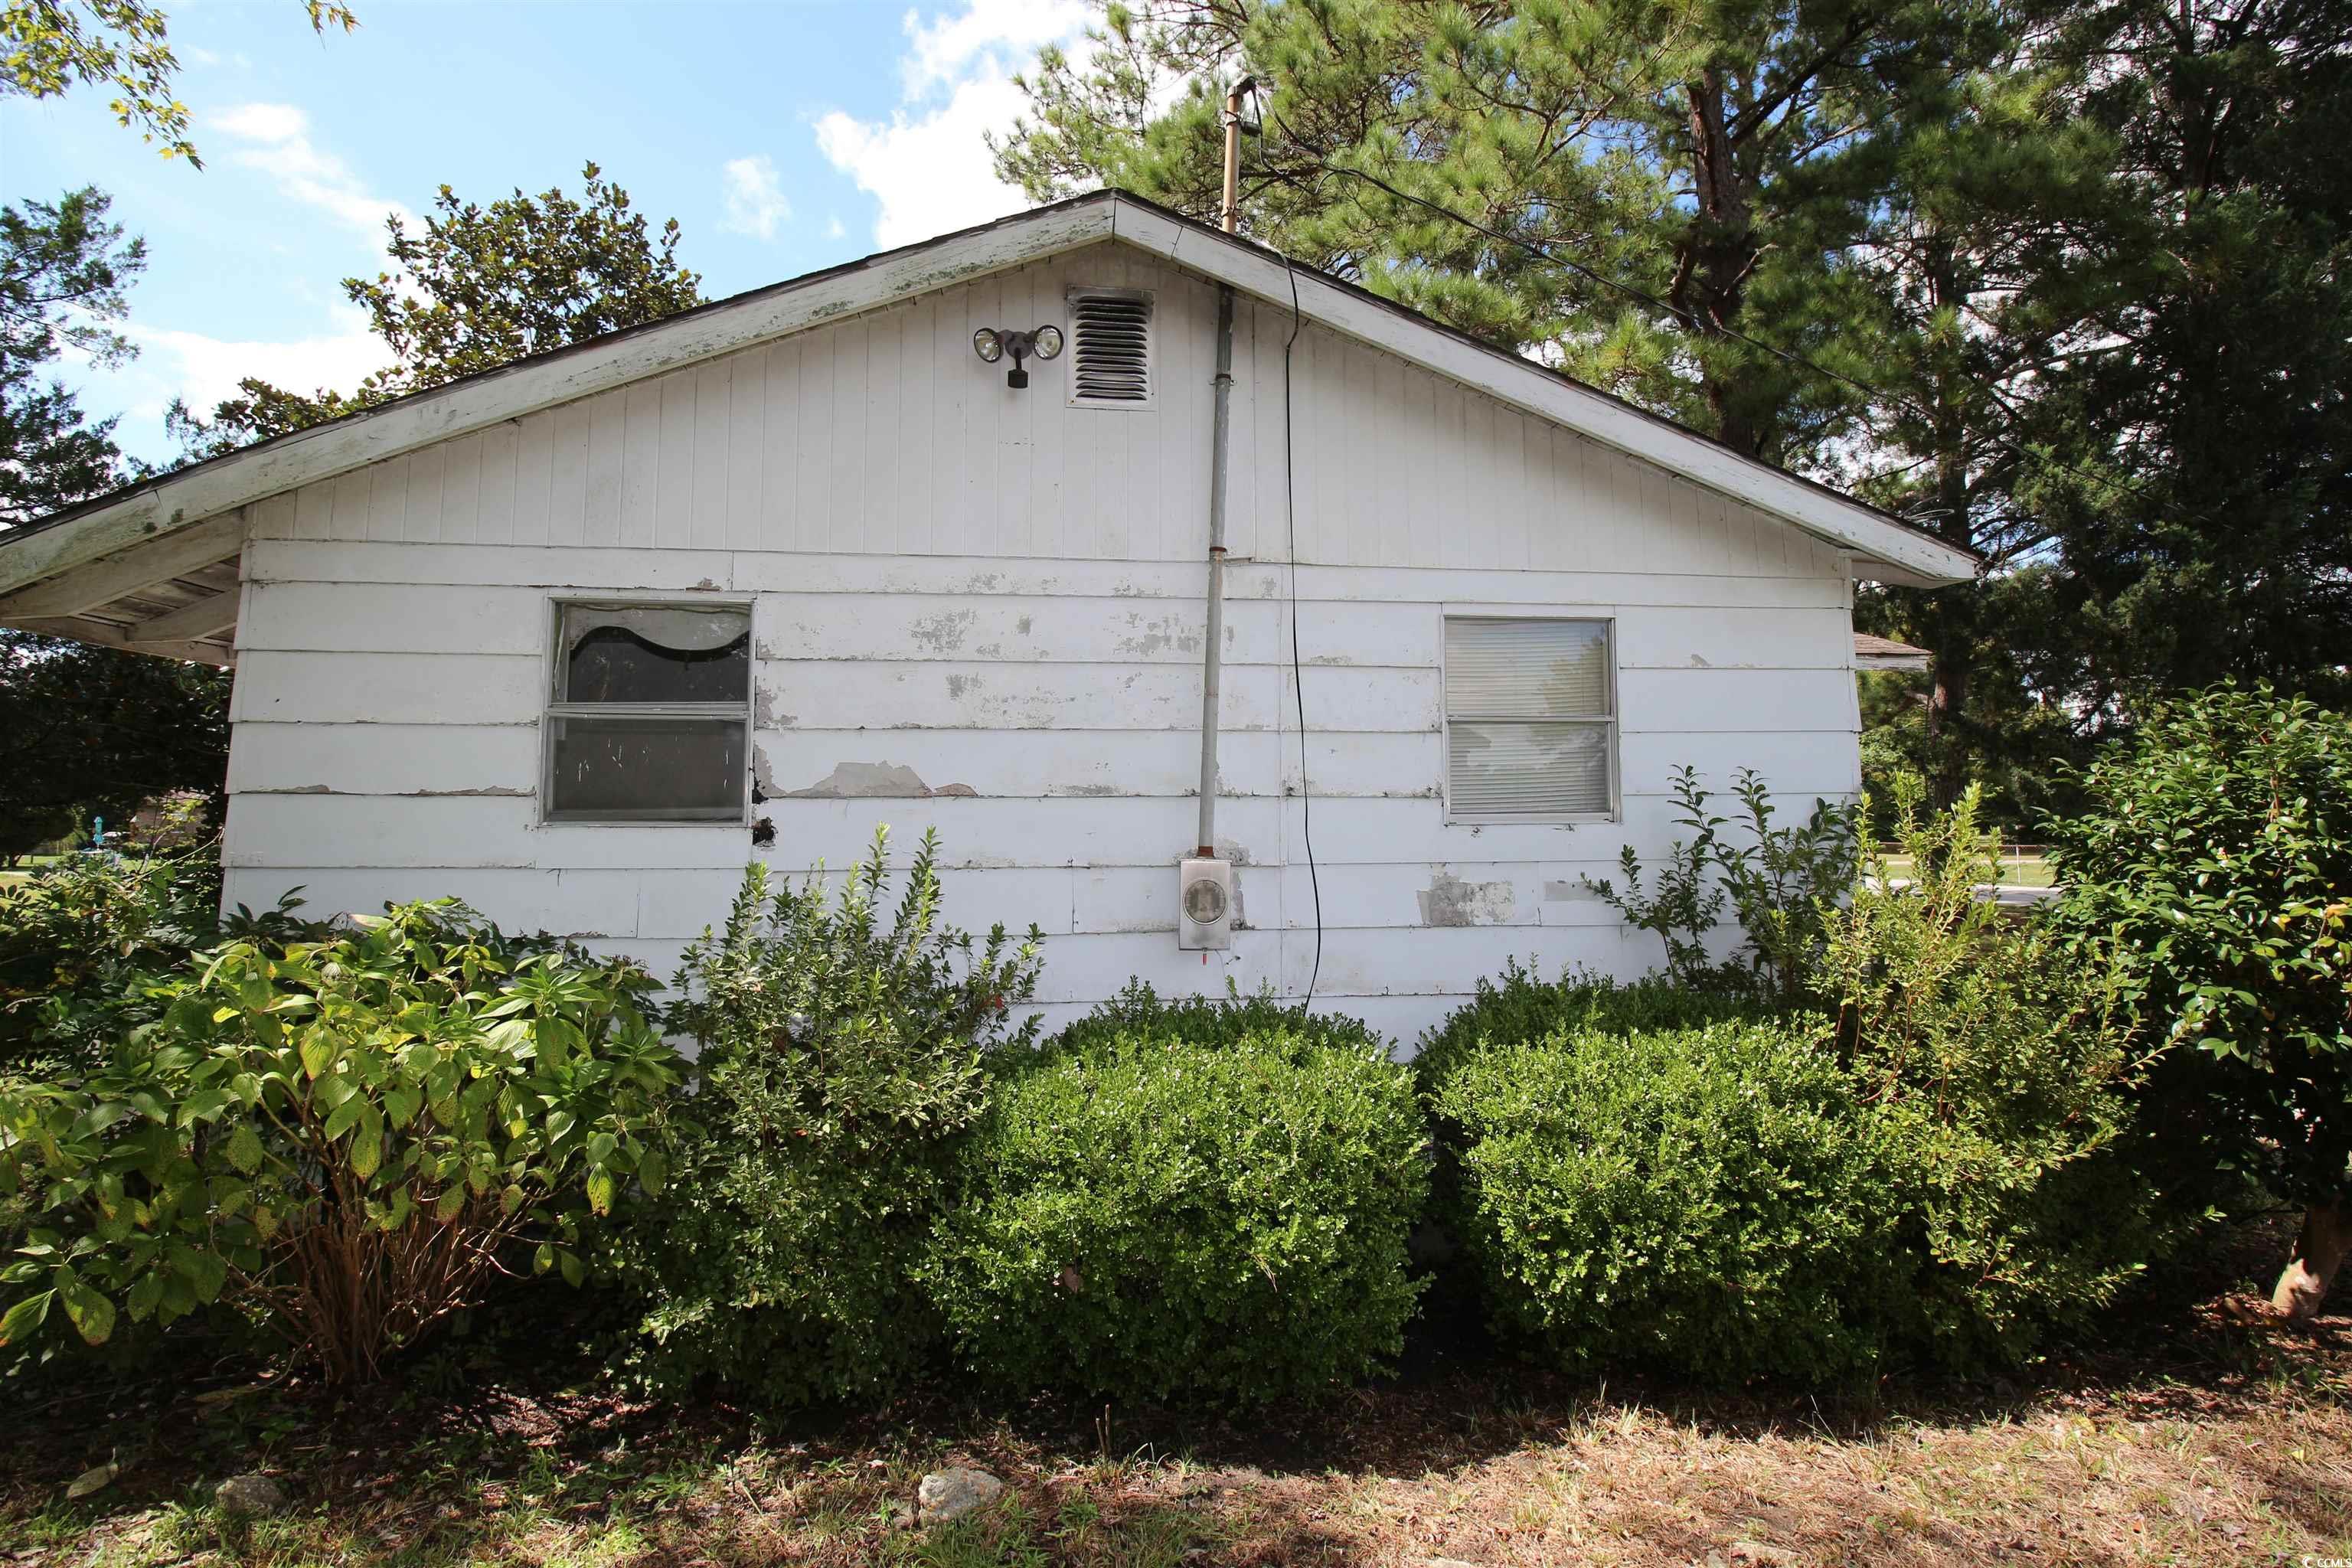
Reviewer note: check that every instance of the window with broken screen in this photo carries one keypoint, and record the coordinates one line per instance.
(1530, 720)
(651, 716)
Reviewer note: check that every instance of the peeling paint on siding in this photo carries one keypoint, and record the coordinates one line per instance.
(944, 633)
(876, 780)
(1448, 900)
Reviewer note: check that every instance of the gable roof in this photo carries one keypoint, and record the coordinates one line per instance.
(140, 516)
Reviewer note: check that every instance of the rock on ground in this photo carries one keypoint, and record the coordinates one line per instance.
(947, 1495)
(250, 1493)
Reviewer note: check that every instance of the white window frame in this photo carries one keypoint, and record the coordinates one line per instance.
(557, 669)
(1151, 398)
(1607, 621)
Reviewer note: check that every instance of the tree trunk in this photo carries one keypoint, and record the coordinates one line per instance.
(2318, 1253)
(1718, 249)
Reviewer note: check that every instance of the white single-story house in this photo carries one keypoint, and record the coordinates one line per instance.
(575, 639)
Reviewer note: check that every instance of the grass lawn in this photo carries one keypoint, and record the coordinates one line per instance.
(2193, 1432)
(2016, 870)
(23, 868)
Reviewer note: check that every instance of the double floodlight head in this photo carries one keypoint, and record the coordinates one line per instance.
(993, 344)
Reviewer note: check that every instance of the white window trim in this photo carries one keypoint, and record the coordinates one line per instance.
(1608, 619)
(1151, 398)
(551, 708)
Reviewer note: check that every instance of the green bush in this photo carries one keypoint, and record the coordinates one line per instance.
(844, 1056)
(2214, 863)
(86, 941)
(1707, 1201)
(1521, 1010)
(2001, 1069)
(1139, 1012)
(1933, 1176)
(1167, 1218)
(342, 1140)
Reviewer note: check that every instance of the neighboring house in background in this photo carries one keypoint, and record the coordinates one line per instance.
(574, 638)
(1877, 653)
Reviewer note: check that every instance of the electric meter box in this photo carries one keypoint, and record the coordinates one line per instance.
(1205, 904)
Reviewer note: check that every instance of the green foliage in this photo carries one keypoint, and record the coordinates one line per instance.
(480, 288)
(63, 272)
(1936, 1174)
(1785, 884)
(1687, 899)
(48, 46)
(89, 947)
(2212, 863)
(1706, 1200)
(94, 731)
(1138, 1012)
(842, 1057)
(91, 731)
(2000, 1068)
(1779, 884)
(342, 1140)
(1523, 1010)
(1163, 1218)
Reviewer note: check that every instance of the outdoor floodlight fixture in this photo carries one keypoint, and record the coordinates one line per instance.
(993, 344)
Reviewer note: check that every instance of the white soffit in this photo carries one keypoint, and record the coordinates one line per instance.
(1889, 551)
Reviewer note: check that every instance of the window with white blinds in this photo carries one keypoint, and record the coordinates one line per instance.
(1530, 720)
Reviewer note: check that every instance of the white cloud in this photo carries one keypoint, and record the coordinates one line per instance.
(203, 370)
(834, 228)
(276, 139)
(927, 166)
(755, 201)
(947, 49)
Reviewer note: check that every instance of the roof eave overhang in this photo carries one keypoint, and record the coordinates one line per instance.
(1884, 550)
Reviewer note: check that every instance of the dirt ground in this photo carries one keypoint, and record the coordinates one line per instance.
(2197, 1431)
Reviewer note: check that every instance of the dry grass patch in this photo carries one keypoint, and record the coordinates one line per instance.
(2214, 1437)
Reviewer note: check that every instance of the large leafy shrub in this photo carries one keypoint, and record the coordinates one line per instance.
(843, 1052)
(1706, 1200)
(344, 1140)
(1932, 1175)
(1158, 1218)
(85, 943)
(2214, 863)
(1998, 1068)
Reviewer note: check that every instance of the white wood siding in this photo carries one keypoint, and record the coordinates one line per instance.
(1003, 593)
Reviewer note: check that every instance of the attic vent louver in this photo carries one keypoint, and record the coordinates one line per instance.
(1110, 333)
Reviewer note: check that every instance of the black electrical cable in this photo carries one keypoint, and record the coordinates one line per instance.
(1298, 666)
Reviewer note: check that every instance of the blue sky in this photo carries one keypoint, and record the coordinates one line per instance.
(783, 136)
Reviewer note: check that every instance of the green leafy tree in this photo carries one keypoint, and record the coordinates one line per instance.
(2222, 544)
(49, 47)
(1648, 179)
(479, 286)
(91, 731)
(2214, 862)
(64, 270)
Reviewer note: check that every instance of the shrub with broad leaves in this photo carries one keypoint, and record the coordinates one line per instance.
(2212, 865)
(344, 1140)
(88, 943)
